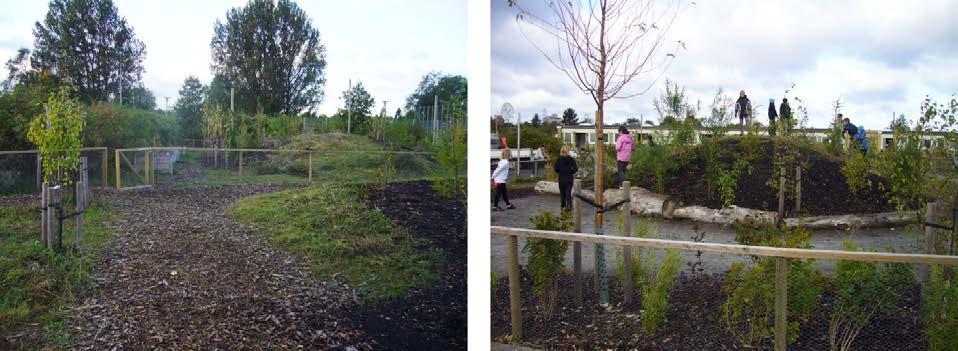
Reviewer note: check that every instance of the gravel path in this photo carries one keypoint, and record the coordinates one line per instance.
(180, 275)
(531, 205)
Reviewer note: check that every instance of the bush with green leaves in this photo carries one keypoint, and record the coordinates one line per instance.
(727, 180)
(450, 153)
(855, 170)
(57, 134)
(749, 311)
(864, 291)
(116, 126)
(652, 161)
(546, 257)
(905, 166)
(653, 273)
(406, 134)
(940, 308)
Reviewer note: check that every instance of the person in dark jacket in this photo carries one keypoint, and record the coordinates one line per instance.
(565, 167)
(743, 109)
(848, 132)
(771, 117)
(785, 111)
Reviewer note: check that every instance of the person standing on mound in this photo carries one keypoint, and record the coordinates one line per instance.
(565, 167)
(771, 117)
(623, 150)
(499, 178)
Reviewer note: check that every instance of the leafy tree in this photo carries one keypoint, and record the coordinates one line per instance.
(398, 113)
(271, 52)
(536, 121)
(19, 104)
(218, 93)
(17, 67)
(673, 102)
(358, 100)
(56, 132)
(141, 98)
(569, 117)
(87, 44)
(189, 107)
(433, 84)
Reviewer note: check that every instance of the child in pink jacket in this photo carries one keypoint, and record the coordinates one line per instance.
(623, 152)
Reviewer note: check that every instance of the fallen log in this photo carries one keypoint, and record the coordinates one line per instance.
(645, 202)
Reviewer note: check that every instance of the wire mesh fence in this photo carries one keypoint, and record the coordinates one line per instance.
(20, 171)
(187, 166)
(692, 295)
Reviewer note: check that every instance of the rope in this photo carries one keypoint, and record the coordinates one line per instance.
(600, 208)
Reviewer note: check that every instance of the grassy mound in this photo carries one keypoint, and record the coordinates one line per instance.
(824, 188)
(337, 233)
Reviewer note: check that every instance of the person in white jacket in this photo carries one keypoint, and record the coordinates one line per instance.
(499, 178)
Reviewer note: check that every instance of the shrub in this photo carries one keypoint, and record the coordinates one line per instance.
(546, 257)
(451, 156)
(905, 165)
(940, 310)
(57, 134)
(749, 311)
(651, 162)
(855, 170)
(115, 126)
(652, 274)
(864, 291)
(728, 180)
(405, 134)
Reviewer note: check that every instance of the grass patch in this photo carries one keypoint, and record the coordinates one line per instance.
(36, 283)
(332, 227)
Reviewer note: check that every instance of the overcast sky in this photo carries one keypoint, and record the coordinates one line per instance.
(880, 57)
(388, 45)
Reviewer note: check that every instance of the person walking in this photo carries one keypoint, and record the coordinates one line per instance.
(771, 117)
(743, 109)
(566, 167)
(623, 149)
(499, 178)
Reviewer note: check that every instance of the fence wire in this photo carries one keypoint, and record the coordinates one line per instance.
(692, 300)
(21, 173)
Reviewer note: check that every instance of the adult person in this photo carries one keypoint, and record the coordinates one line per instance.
(623, 150)
(499, 178)
(848, 131)
(785, 115)
(743, 109)
(771, 117)
(566, 167)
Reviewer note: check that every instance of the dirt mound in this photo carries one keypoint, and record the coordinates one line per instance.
(432, 318)
(824, 187)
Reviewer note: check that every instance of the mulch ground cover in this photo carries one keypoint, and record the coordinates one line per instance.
(824, 187)
(693, 322)
(181, 275)
(432, 317)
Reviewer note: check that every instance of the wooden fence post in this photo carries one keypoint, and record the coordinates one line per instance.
(310, 167)
(44, 221)
(781, 197)
(54, 217)
(116, 161)
(105, 168)
(80, 196)
(781, 303)
(39, 174)
(515, 300)
(577, 245)
(931, 213)
(626, 211)
(798, 189)
(241, 163)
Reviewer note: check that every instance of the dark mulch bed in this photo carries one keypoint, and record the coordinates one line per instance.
(824, 187)
(694, 320)
(434, 317)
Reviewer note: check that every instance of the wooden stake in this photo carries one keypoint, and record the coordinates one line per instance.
(930, 217)
(105, 168)
(577, 245)
(241, 163)
(39, 175)
(798, 189)
(515, 300)
(626, 211)
(44, 221)
(116, 161)
(310, 166)
(781, 197)
(781, 303)
(80, 197)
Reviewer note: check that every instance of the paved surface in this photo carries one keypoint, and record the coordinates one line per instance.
(896, 239)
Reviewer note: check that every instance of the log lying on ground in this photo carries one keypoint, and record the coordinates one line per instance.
(645, 202)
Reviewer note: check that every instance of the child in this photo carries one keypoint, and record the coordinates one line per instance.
(499, 178)
(565, 167)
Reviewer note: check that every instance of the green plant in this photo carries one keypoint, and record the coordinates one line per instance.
(749, 312)
(546, 258)
(855, 170)
(906, 167)
(451, 156)
(727, 180)
(386, 170)
(651, 161)
(57, 136)
(655, 294)
(864, 291)
(940, 310)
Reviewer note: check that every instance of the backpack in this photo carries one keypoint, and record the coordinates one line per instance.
(862, 138)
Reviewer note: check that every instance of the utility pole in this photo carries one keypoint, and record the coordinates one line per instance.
(167, 105)
(383, 122)
(349, 108)
(518, 143)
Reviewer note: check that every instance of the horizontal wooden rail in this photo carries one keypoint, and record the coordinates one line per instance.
(208, 149)
(98, 148)
(729, 248)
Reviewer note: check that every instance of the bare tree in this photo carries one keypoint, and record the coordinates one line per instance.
(603, 46)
